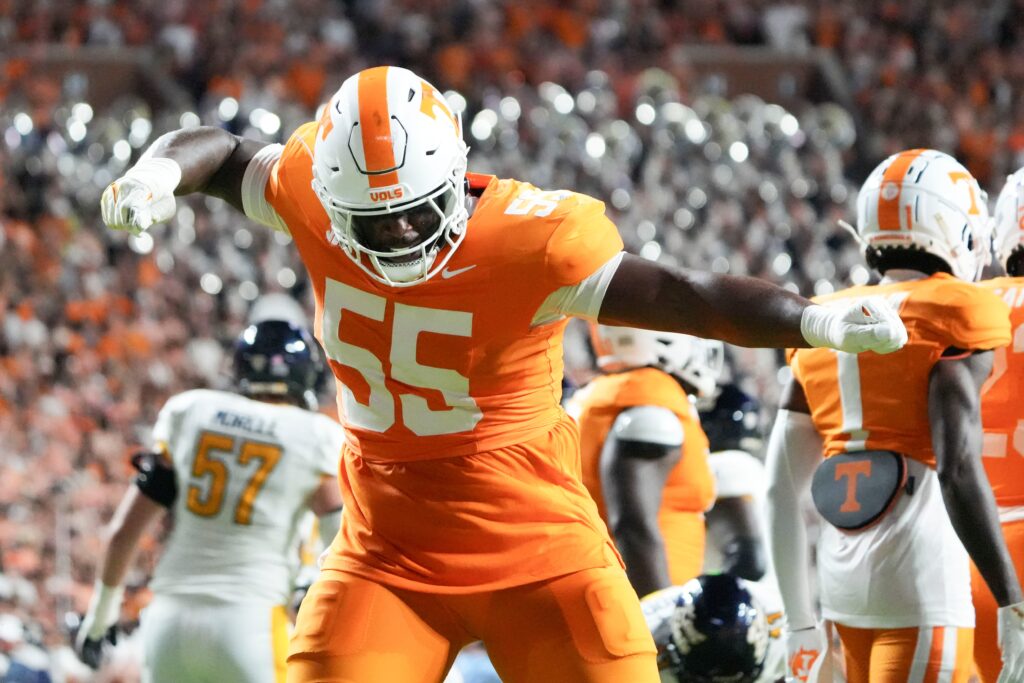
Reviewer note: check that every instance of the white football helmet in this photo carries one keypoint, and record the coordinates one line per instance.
(699, 362)
(925, 199)
(388, 142)
(1008, 218)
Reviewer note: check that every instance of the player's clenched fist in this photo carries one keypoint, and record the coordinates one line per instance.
(142, 196)
(854, 326)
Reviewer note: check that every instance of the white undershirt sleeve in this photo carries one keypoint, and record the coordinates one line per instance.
(254, 184)
(794, 451)
(582, 300)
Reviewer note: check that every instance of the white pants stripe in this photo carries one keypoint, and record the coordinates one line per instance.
(919, 667)
(949, 648)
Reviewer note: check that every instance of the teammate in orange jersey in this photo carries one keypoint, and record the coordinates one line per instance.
(644, 455)
(1002, 412)
(901, 488)
(441, 299)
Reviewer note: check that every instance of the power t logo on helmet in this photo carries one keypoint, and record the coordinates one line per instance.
(925, 200)
(389, 147)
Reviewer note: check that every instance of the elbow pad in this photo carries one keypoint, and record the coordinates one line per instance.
(155, 478)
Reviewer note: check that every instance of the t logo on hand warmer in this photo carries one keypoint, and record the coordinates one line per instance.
(800, 663)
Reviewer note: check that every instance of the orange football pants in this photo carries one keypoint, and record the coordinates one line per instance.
(986, 637)
(907, 655)
(585, 627)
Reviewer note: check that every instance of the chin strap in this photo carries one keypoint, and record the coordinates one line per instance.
(853, 231)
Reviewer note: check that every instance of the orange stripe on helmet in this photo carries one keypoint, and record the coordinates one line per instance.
(891, 188)
(375, 126)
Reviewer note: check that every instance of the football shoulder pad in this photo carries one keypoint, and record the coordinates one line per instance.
(649, 424)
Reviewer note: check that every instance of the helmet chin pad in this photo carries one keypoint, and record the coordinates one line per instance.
(407, 272)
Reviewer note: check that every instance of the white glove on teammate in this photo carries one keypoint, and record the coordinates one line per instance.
(1011, 642)
(807, 656)
(869, 324)
(142, 196)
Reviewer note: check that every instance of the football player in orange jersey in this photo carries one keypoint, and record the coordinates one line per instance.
(901, 488)
(441, 299)
(644, 455)
(1002, 413)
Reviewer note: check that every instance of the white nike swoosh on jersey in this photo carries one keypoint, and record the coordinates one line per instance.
(452, 273)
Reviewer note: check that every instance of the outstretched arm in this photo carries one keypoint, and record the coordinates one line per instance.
(742, 310)
(203, 159)
(212, 160)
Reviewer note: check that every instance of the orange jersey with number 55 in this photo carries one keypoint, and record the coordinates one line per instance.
(458, 364)
(461, 468)
(1002, 396)
(871, 401)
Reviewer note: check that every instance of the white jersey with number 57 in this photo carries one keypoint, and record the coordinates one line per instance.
(245, 471)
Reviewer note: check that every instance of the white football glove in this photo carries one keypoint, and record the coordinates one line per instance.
(869, 324)
(807, 656)
(1011, 642)
(142, 196)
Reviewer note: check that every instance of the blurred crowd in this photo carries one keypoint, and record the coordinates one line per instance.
(98, 329)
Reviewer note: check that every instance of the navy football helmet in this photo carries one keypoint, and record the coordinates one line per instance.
(278, 358)
(733, 422)
(715, 632)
